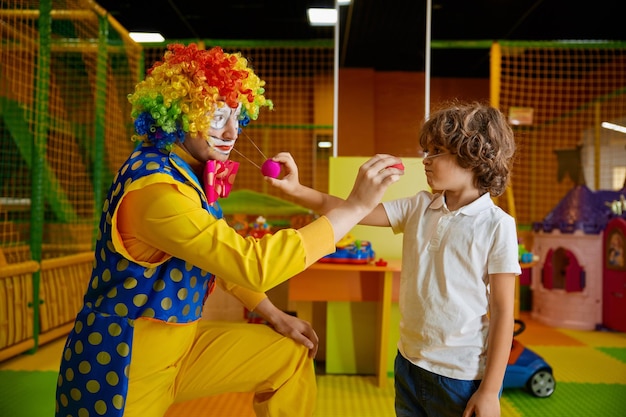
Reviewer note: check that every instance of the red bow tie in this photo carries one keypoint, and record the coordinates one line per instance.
(219, 178)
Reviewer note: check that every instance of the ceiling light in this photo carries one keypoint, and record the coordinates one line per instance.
(322, 17)
(146, 37)
(613, 126)
(343, 2)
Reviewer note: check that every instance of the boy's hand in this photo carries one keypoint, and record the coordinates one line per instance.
(289, 182)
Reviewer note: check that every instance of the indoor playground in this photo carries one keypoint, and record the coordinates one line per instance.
(66, 68)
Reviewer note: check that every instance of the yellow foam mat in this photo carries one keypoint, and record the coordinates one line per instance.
(342, 395)
(597, 339)
(577, 358)
(582, 364)
(507, 409)
(47, 358)
(338, 396)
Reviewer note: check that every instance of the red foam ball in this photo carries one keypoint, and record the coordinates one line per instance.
(270, 168)
(399, 166)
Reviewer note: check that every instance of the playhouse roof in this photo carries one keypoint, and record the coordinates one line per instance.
(582, 209)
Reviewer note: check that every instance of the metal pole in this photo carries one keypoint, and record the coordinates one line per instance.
(427, 59)
(336, 83)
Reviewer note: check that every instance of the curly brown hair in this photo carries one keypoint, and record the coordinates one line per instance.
(480, 138)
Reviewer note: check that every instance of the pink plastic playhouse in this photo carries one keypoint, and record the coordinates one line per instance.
(580, 279)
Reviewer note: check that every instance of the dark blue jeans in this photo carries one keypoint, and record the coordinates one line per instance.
(420, 393)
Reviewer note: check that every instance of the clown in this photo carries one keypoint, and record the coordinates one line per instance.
(138, 344)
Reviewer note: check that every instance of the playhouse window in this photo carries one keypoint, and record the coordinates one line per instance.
(562, 271)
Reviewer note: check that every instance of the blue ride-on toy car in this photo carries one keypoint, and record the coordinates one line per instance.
(528, 370)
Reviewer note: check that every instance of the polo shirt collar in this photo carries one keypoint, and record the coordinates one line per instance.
(477, 206)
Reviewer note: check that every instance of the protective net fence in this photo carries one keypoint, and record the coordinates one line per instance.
(66, 69)
(560, 96)
(65, 122)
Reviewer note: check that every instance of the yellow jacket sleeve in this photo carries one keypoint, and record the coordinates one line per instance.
(250, 299)
(156, 221)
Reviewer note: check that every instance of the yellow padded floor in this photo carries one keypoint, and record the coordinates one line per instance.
(589, 367)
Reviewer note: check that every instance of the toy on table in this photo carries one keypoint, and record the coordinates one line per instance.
(525, 256)
(259, 228)
(351, 251)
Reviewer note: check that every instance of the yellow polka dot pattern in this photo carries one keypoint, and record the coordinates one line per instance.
(94, 372)
(93, 380)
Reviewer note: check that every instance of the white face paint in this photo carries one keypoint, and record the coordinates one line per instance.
(223, 115)
(224, 129)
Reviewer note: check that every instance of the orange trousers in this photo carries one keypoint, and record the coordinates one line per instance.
(175, 363)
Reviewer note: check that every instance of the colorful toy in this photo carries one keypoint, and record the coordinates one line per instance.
(380, 262)
(528, 370)
(259, 228)
(351, 251)
(525, 256)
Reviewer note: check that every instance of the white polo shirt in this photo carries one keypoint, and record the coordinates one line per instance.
(444, 288)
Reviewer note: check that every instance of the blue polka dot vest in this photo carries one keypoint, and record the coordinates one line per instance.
(93, 379)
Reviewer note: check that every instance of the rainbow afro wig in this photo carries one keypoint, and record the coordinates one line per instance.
(181, 92)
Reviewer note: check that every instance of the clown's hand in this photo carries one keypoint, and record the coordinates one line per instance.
(289, 326)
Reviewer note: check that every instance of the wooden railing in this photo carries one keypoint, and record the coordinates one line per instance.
(62, 283)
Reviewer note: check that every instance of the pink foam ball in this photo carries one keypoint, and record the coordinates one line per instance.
(270, 168)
